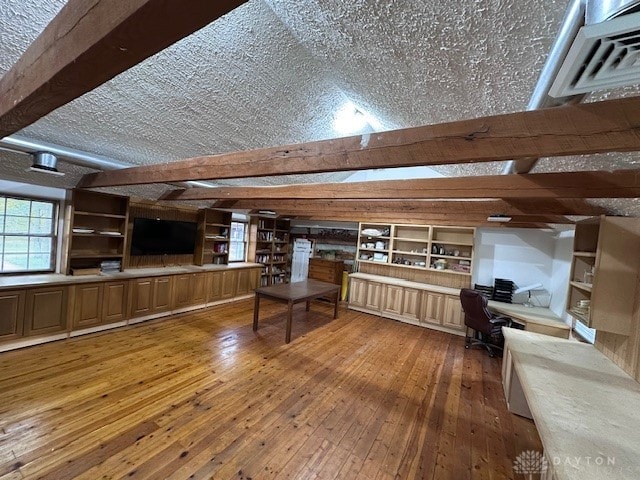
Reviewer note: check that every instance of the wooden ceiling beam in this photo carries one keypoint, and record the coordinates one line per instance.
(449, 207)
(607, 126)
(89, 43)
(421, 217)
(565, 185)
(416, 219)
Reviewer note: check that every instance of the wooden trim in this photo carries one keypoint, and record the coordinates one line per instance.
(606, 126)
(89, 43)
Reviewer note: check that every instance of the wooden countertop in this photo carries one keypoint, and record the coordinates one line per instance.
(406, 283)
(19, 281)
(584, 406)
(539, 315)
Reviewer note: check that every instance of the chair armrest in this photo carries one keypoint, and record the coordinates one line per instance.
(500, 320)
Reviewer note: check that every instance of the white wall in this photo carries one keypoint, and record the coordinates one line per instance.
(525, 256)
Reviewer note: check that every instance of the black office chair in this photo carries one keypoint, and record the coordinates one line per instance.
(486, 326)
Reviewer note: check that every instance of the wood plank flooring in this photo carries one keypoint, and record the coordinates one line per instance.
(201, 395)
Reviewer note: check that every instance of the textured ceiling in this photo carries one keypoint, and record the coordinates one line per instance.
(275, 72)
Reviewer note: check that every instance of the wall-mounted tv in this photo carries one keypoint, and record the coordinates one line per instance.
(159, 237)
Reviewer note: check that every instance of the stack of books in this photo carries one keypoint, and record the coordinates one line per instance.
(110, 266)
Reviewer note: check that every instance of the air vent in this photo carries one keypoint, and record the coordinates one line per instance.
(45, 162)
(603, 55)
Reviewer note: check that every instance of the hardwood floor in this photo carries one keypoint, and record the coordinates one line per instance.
(201, 395)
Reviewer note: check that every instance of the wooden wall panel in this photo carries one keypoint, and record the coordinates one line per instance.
(433, 278)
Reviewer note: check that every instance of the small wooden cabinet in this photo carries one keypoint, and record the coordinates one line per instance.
(11, 314)
(393, 298)
(453, 316)
(373, 299)
(150, 295)
(214, 286)
(326, 270)
(98, 303)
(189, 289)
(604, 273)
(45, 310)
(358, 293)
(229, 284)
(411, 303)
(432, 307)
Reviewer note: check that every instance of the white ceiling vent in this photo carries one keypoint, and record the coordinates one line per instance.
(603, 55)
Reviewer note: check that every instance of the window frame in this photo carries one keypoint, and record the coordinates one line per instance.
(54, 236)
(244, 240)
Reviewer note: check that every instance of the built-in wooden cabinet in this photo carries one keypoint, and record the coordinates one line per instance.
(229, 284)
(97, 230)
(150, 295)
(214, 228)
(11, 314)
(392, 299)
(431, 308)
(453, 315)
(98, 303)
(248, 280)
(189, 289)
(421, 247)
(214, 286)
(407, 301)
(45, 310)
(270, 247)
(604, 273)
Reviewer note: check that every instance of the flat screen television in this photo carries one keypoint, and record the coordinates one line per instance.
(160, 237)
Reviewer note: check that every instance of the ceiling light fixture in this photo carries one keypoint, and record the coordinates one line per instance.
(498, 218)
(351, 120)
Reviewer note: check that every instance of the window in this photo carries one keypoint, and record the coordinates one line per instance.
(237, 246)
(27, 235)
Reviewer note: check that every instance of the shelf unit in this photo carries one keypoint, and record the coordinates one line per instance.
(603, 276)
(421, 247)
(212, 246)
(272, 249)
(97, 230)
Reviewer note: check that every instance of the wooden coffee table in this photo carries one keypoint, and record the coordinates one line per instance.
(292, 293)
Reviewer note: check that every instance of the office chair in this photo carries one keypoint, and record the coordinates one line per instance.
(487, 326)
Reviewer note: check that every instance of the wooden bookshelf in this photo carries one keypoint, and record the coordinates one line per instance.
(97, 229)
(270, 247)
(212, 244)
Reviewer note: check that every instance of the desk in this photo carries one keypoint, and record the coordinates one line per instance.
(534, 319)
(584, 406)
(292, 293)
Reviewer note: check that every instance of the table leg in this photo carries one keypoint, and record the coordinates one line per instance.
(256, 309)
(308, 305)
(287, 338)
(335, 307)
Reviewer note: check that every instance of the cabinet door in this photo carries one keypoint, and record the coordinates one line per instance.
(161, 294)
(182, 291)
(229, 283)
(432, 307)
(392, 299)
(87, 305)
(411, 303)
(254, 278)
(11, 314)
(214, 290)
(141, 296)
(45, 310)
(114, 302)
(243, 282)
(198, 288)
(374, 296)
(358, 292)
(453, 314)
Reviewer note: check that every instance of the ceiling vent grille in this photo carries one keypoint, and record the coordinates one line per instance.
(603, 55)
